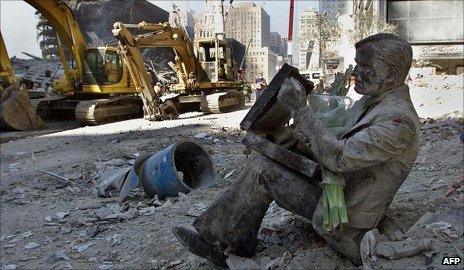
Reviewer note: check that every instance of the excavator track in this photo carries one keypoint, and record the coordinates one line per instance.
(225, 102)
(96, 112)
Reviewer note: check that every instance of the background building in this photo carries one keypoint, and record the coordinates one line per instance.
(261, 60)
(249, 23)
(204, 23)
(97, 28)
(187, 18)
(335, 7)
(275, 43)
(306, 40)
(435, 30)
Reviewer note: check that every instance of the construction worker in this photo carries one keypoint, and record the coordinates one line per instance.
(375, 155)
(260, 85)
(111, 69)
(158, 89)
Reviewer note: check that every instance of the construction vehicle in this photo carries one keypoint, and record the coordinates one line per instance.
(96, 84)
(16, 109)
(99, 86)
(208, 80)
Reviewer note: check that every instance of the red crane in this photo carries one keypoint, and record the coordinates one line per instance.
(290, 31)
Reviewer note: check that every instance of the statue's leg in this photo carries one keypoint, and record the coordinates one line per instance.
(235, 217)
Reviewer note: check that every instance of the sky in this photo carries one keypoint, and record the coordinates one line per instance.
(17, 20)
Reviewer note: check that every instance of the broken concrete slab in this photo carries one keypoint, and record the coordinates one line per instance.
(31, 245)
(57, 256)
(236, 262)
(401, 249)
(451, 218)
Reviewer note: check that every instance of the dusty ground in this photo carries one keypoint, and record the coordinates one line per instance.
(35, 236)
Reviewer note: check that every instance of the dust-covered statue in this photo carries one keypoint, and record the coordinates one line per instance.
(374, 155)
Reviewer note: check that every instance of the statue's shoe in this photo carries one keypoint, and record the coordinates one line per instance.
(197, 244)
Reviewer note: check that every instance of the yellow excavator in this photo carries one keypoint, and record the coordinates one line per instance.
(96, 83)
(207, 83)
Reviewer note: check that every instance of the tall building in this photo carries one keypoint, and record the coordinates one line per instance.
(434, 29)
(261, 60)
(95, 27)
(306, 22)
(204, 23)
(187, 19)
(335, 7)
(275, 43)
(284, 46)
(249, 21)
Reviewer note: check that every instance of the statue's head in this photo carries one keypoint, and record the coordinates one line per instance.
(382, 63)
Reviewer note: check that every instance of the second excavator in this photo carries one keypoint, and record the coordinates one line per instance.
(207, 74)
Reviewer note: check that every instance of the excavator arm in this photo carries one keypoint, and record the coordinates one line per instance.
(158, 36)
(71, 41)
(165, 36)
(161, 36)
(6, 70)
(136, 67)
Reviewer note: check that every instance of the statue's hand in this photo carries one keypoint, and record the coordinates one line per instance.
(292, 96)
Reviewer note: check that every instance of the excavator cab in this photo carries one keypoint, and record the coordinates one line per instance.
(103, 66)
(216, 61)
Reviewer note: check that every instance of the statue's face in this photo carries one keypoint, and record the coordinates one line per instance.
(371, 75)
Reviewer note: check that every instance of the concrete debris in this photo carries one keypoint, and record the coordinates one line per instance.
(105, 266)
(175, 263)
(118, 217)
(169, 202)
(229, 174)
(57, 256)
(451, 219)
(6, 237)
(62, 215)
(111, 179)
(156, 201)
(26, 234)
(114, 239)
(147, 211)
(396, 236)
(24, 259)
(202, 135)
(9, 246)
(110, 164)
(65, 230)
(401, 249)
(236, 262)
(31, 245)
(121, 227)
(9, 267)
(84, 247)
(62, 179)
(196, 209)
(48, 219)
(115, 162)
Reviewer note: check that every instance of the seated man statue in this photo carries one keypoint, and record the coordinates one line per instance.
(374, 155)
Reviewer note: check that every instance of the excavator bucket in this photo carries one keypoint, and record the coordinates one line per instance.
(16, 111)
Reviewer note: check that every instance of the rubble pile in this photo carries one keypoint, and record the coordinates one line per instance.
(48, 222)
